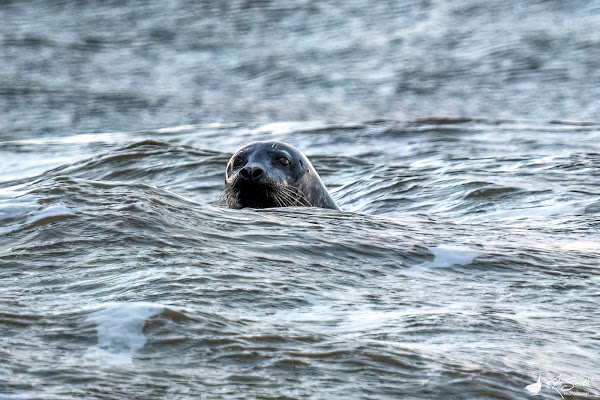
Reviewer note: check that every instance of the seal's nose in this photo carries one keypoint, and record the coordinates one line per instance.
(251, 173)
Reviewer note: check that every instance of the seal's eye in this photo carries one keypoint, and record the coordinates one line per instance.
(237, 161)
(283, 161)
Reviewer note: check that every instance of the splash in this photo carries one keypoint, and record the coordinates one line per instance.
(120, 331)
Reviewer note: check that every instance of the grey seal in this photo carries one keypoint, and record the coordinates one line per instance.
(274, 174)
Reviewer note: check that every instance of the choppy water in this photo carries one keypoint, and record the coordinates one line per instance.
(464, 263)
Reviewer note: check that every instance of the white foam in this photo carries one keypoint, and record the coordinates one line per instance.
(18, 396)
(578, 245)
(287, 127)
(283, 128)
(179, 128)
(82, 138)
(27, 212)
(575, 208)
(120, 331)
(48, 212)
(328, 319)
(448, 255)
(12, 209)
(332, 319)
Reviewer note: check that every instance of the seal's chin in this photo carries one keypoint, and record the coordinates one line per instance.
(252, 194)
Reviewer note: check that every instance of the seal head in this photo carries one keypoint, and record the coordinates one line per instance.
(273, 174)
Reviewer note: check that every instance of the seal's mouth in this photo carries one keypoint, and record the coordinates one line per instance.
(243, 193)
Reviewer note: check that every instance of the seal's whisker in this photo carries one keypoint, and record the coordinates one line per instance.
(289, 196)
(302, 197)
(285, 199)
(292, 201)
(281, 198)
(277, 201)
(275, 196)
(295, 192)
(298, 196)
(231, 197)
(222, 198)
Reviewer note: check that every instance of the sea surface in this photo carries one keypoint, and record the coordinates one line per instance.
(461, 141)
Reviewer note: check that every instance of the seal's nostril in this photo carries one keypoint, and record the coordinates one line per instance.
(251, 173)
(257, 173)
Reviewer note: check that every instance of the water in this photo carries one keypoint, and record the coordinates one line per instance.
(107, 67)
(464, 263)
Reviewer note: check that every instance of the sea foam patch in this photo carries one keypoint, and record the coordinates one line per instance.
(19, 396)
(120, 331)
(19, 213)
(574, 208)
(448, 255)
(13, 209)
